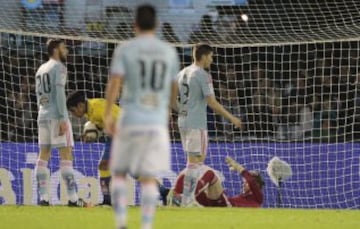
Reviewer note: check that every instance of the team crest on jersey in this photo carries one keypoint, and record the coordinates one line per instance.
(44, 100)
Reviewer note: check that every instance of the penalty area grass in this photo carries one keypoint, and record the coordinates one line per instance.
(54, 217)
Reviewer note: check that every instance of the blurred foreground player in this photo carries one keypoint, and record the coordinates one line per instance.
(55, 129)
(209, 191)
(147, 68)
(93, 110)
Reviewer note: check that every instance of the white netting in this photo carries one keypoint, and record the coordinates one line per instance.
(291, 71)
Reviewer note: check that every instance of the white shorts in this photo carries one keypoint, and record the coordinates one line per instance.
(140, 151)
(194, 141)
(49, 134)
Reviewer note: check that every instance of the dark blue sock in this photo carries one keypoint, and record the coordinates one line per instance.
(105, 189)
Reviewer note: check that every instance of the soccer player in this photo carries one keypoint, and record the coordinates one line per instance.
(93, 110)
(55, 129)
(147, 68)
(196, 93)
(210, 192)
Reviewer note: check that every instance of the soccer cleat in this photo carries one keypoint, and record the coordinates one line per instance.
(163, 193)
(79, 203)
(173, 199)
(44, 203)
(105, 203)
(191, 203)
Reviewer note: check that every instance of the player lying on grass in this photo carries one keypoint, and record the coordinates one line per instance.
(209, 191)
(196, 93)
(93, 110)
(54, 126)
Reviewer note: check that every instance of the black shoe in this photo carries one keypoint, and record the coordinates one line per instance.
(105, 203)
(44, 203)
(79, 203)
(163, 194)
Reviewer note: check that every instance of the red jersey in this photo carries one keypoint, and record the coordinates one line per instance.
(253, 198)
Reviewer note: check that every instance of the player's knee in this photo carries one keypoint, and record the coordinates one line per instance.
(66, 153)
(103, 165)
(45, 154)
(198, 158)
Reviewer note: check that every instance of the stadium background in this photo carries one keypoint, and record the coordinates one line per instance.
(290, 57)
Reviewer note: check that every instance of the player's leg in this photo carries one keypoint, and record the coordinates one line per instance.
(210, 191)
(174, 195)
(105, 175)
(153, 159)
(196, 148)
(208, 187)
(42, 172)
(216, 195)
(65, 143)
(67, 173)
(119, 163)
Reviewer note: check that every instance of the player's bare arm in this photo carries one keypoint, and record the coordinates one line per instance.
(111, 94)
(233, 165)
(61, 103)
(219, 109)
(174, 95)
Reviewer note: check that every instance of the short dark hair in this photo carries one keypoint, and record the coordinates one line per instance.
(146, 17)
(202, 49)
(52, 44)
(258, 178)
(74, 99)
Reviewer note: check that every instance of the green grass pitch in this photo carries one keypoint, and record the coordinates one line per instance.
(27, 217)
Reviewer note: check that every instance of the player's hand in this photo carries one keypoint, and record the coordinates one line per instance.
(110, 125)
(87, 138)
(237, 122)
(233, 165)
(63, 127)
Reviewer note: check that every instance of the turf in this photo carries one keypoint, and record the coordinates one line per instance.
(174, 218)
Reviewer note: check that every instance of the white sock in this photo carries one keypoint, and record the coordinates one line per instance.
(190, 180)
(149, 199)
(67, 173)
(119, 200)
(42, 177)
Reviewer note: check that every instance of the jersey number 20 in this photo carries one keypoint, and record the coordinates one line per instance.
(44, 82)
(157, 70)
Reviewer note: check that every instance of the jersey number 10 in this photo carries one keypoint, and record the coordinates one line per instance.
(157, 74)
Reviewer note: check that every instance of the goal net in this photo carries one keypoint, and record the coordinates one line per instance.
(289, 69)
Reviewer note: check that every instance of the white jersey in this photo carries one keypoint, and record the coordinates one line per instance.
(195, 84)
(50, 91)
(148, 66)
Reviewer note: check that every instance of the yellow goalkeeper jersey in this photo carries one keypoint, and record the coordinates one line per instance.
(96, 109)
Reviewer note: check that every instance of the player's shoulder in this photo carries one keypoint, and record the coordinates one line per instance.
(98, 103)
(196, 71)
(121, 48)
(57, 66)
(95, 102)
(167, 46)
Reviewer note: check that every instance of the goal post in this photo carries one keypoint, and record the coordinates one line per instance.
(290, 72)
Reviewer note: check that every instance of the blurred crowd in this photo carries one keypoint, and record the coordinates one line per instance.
(298, 92)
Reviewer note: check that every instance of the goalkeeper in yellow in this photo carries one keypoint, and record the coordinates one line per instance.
(93, 110)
